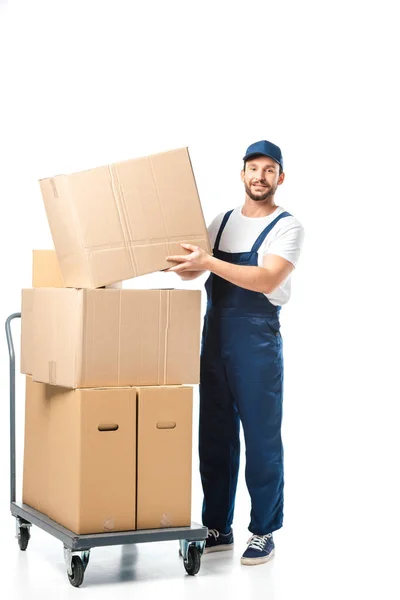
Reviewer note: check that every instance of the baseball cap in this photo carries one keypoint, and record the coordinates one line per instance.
(264, 148)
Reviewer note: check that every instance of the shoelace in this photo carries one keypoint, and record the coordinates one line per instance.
(258, 541)
(213, 532)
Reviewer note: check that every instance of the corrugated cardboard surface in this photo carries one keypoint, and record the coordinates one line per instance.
(97, 338)
(80, 456)
(36, 445)
(164, 457)
(46, 270)
(26, 357)
(57, 333)
(121, 220)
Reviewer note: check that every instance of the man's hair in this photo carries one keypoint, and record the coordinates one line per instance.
(244, 166)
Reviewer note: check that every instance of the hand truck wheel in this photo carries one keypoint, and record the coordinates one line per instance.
(78, 571)
(193, 561)
(23, 538)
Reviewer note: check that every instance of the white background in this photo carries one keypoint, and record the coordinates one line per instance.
(86, 83)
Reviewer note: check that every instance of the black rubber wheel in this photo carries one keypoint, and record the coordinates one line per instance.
(192, 564)
(78, 571)
(23, 538)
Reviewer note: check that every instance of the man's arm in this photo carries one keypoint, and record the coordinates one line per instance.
(263, 279)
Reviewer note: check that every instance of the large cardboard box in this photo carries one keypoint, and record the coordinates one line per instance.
(119, 221)
(100, 460)
(105, 338)
(80, 456)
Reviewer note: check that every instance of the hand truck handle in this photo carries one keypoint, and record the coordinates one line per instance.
(12, 403)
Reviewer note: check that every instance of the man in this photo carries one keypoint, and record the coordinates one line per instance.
(255, 249)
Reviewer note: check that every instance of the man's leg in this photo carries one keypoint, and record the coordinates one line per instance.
(257, 387)
(219, 445)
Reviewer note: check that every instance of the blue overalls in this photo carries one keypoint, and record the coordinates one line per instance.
(241, 380)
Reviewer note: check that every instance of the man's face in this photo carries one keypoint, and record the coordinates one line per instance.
(261, 178)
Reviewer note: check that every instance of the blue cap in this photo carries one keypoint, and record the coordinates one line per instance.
(264, 148)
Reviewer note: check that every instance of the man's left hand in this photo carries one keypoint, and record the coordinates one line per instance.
(197, 260)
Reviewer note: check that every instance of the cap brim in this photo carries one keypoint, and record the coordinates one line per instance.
(254, 154)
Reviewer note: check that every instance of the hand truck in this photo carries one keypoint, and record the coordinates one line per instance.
(77, 547)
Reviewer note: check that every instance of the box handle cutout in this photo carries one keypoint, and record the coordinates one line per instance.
(166, 425)
(108, 427)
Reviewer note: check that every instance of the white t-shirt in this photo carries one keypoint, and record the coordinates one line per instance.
(285, 239)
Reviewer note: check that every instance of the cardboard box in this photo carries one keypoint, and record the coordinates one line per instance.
(164, 455)
(46, 271)
(100, 460)
(80, 456)
(101, 338)
(119, 221)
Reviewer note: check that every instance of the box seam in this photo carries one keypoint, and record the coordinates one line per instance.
(120, 204)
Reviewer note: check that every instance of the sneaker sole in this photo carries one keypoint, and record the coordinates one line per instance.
(257, 561)
(218, 548)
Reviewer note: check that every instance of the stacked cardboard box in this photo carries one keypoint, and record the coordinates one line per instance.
(108, 424)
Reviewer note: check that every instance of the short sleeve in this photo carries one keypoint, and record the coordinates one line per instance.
(287, 243)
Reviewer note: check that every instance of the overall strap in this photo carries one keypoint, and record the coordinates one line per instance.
(221, 228)
(265, 232)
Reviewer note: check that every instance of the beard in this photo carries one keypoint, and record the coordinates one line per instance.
(260, 196)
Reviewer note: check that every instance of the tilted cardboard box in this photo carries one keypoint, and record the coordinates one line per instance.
(96, 338)
(101, 460)
(119, 221)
